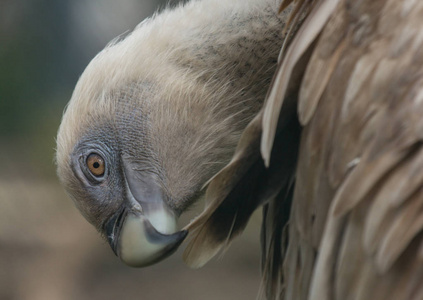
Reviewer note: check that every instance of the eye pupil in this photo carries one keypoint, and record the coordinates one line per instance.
(96, 165)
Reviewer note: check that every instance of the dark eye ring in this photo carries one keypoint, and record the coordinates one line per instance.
(96, 164)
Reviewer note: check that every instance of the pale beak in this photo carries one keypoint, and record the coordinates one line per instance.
(144, 231)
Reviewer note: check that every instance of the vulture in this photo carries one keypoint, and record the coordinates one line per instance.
(311, 110)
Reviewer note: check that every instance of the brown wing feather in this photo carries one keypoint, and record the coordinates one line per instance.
(282, 86)
(357, 211)
(206, 241)
(241, 187)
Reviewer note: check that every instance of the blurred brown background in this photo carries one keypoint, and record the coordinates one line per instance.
(47, 250)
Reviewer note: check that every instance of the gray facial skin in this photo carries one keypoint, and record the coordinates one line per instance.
(132, 204)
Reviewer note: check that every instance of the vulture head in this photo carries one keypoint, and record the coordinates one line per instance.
(158, 113)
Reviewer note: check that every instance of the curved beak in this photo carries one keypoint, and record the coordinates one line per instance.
(144, 231)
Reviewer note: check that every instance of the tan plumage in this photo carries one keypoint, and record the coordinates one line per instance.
(370, 154)
(355, 226)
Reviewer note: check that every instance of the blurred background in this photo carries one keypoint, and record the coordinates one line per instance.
(47, 250)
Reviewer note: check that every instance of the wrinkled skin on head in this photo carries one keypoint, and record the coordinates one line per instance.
(162, 110)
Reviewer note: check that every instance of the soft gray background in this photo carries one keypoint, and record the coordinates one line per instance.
(47, 250)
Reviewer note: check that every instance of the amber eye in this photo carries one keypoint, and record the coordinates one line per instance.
(96, 164)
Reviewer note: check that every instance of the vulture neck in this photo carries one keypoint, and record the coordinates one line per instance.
(204, 44)
(230, 45)
(214, 61)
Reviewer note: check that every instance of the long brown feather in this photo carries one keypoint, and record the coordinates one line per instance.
(360, 158)
(239, 189)
(305, 36)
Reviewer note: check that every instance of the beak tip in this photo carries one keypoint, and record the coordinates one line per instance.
(140, 244)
